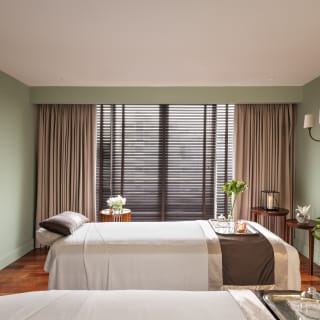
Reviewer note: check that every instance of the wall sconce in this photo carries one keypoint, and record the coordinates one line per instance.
(309, 124)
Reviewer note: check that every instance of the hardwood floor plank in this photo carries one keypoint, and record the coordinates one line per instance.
(27, 274)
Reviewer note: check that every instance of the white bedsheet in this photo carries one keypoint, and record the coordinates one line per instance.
(134, 305)
(138, 255)
(146, 255)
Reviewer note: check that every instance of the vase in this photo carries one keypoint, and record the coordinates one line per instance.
(302, 217)
(117, 210)
(230, 217)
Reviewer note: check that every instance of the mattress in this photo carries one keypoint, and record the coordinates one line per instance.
(183, 255)
(140, 305)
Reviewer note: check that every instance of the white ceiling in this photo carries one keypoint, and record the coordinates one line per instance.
(160, 43)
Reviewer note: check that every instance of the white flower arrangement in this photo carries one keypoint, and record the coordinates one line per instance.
(302, 215)
(116, 202)
(304, 209)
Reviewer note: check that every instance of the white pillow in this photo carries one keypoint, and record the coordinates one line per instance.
(46, 237)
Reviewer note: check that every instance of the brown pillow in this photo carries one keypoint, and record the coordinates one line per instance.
(64, 223)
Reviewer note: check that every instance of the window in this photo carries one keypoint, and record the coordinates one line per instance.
(169, 161)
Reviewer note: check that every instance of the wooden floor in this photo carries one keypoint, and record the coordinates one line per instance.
(26, 274)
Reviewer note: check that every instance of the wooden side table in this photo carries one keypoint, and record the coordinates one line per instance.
(294, 224)
(281, 213)
(124, 216)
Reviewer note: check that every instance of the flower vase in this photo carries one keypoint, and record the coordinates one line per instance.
(301, 217)
(230, 217)
(230, 223)
(117, 210)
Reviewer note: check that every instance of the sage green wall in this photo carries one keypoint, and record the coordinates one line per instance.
(171, 95)
(18, 141)
(308, 163)
(17, 170)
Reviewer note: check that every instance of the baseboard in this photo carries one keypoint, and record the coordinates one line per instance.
(16, 254)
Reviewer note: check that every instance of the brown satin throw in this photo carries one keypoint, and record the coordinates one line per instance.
(247, 260)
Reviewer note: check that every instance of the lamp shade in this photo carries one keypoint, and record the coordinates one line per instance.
(308, 121)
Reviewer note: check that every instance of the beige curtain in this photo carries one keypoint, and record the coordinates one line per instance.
(66, 160)
(264, 154)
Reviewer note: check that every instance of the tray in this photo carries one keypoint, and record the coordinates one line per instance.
(292, 306)
(228, 228)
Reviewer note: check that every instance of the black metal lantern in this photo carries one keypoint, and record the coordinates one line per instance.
(270, 200)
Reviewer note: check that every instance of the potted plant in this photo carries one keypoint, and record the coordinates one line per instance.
(233, 189)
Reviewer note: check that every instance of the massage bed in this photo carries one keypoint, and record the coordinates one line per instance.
(140, 305)
(184, 255)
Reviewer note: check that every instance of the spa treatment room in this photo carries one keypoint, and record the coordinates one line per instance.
(159, 159)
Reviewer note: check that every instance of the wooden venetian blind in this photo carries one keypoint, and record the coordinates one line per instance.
(103, 165)
(169, 161)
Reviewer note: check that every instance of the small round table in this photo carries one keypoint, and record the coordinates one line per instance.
(281, 212)
(294, 224)
(107, 216)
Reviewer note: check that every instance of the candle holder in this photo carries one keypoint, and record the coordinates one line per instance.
(270, 200)
(241, 226)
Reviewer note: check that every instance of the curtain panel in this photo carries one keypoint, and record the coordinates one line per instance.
(66, 160)
(264, 154)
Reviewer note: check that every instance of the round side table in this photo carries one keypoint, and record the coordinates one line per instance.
(293, 224)
(107, 216)
(281, 213)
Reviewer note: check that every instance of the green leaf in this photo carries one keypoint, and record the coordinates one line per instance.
(235, 186)
(316, 232)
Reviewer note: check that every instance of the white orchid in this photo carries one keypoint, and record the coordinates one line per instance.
(304, 209)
